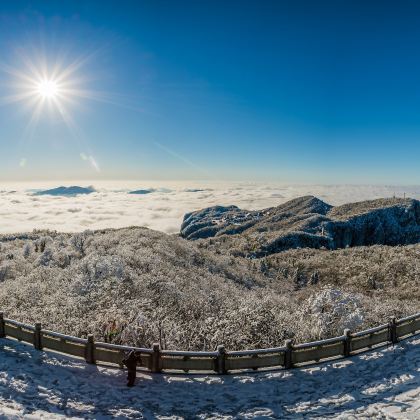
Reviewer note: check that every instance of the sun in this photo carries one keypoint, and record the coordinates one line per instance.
(42, 86)
(48, 89)
(51, 89)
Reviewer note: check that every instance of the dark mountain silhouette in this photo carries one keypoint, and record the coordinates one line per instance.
(73, 190)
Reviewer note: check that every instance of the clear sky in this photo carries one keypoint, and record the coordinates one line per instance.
(287, 91)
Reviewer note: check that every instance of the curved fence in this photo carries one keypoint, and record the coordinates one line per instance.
(220, 361)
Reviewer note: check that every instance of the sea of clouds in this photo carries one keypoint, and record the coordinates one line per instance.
(163, 209)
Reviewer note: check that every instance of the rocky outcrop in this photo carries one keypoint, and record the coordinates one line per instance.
(216, 220)
(231, 220)
(396, 224)
(308, 222)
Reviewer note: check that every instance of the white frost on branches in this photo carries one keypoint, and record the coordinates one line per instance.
(330, 311)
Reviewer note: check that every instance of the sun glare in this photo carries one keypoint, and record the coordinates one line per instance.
(56, 87)
(41, 86)
(48, 89)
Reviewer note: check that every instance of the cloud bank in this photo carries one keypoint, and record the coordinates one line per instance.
(111, 205)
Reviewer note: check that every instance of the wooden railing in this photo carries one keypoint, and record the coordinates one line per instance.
(219, 361)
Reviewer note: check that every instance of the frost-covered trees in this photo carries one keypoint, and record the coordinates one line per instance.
(79, 240)
(329, 311)
(46, 257)
(136, 286)
(27, 250)
(4, 269)
(62, 259)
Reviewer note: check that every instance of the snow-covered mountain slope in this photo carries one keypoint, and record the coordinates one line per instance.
(381, 384)
(136, 286)
(308, 222)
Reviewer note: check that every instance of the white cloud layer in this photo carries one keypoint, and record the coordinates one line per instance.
(163, 209)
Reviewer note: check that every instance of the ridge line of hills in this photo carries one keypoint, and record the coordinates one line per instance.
(306, 222)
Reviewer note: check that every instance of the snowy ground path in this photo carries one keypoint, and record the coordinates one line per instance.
(380, 384)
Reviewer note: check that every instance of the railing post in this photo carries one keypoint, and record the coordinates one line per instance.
(155, 366)
(90, 349)
(347, 343)
(221, 360)
(2, 330)
(37, 336)
(288, 363)
(393, 330)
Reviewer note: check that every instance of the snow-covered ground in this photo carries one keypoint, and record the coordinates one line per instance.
(380, 384)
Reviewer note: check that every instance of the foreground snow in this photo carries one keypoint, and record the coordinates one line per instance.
(380, 384)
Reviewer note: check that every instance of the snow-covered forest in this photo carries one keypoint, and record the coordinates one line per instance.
(137, 286)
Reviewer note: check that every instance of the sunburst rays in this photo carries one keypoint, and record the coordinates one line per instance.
(40, 85)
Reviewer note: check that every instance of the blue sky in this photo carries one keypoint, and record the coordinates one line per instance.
(287, 91)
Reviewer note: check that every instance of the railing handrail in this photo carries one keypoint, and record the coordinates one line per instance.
(198, 353)
(271, 350)
(188, 353)
(408, 318)
(332, 340)
(220, 361)
(65, 336)
(372, 330)
(111, 346)
(19, 324)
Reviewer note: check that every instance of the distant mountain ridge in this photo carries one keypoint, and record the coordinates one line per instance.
(143, 192)
(307, 222)
(69, 191)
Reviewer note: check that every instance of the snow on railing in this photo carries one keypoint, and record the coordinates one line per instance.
(220, 361)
